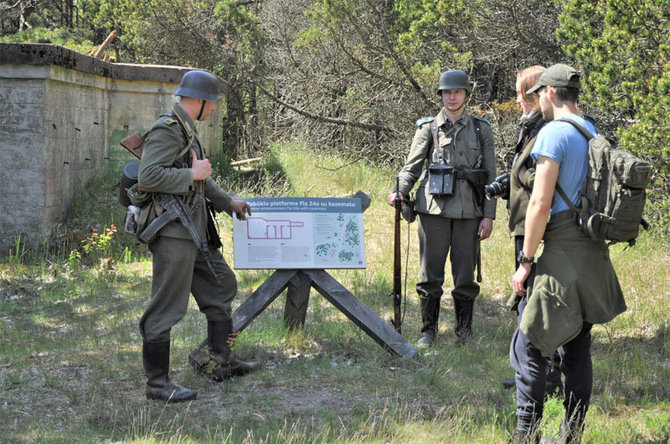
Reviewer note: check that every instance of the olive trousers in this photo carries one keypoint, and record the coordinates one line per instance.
(180, 269)
(439, 237)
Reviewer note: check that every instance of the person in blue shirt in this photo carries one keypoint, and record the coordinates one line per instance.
(574, 284)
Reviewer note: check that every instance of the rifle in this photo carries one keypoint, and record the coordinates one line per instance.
(397, 279)
(176, 209)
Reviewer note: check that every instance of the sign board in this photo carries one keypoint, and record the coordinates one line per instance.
(300, 233)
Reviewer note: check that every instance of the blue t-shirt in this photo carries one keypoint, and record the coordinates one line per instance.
(564, 143)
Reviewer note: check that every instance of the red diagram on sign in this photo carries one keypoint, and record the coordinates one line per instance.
(261, 228)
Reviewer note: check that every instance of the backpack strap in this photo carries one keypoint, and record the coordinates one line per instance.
(583, 214)
(579, 127)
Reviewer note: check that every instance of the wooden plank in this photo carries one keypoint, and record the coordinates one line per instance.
(261, 298)
(297, 300)
(360, 314)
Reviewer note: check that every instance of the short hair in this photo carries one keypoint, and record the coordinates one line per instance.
(565, 94)
(527, 78)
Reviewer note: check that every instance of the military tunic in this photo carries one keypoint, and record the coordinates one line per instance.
(178, 267)
(449, 223)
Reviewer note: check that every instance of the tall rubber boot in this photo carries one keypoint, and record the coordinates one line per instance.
(220, 338)
(156, 360)
(463, 310)
(430, 314)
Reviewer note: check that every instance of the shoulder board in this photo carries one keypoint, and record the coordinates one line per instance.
(424, 120)
(169, 121)
(483, 119)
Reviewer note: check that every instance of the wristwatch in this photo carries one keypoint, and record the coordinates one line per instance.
(523, 259)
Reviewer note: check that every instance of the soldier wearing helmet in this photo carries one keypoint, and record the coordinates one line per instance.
(452, 156)
(175, 162)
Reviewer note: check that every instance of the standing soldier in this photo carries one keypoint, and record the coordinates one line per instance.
(457, 149)
(174, 164)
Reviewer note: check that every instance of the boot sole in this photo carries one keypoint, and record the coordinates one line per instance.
(172, 399)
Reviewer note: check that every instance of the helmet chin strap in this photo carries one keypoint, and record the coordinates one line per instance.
(202, 109)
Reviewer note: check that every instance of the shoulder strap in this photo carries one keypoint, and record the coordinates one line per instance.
(559, 190)
(436, 140)
(579, 127)
(478, 130)
(183, 129)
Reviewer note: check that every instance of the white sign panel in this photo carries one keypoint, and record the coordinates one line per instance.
(300, 233)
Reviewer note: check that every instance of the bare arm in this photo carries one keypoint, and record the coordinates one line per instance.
(546, 174)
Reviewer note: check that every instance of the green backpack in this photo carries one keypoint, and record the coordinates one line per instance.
(613, 194)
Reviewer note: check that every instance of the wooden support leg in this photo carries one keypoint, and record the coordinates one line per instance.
(297, 299)
(261, 298)
(360, 314)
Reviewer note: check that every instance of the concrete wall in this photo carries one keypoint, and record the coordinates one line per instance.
(63, 114)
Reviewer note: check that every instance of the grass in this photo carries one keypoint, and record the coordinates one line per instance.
(70, 364)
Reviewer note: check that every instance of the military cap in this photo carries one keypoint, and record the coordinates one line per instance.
(557, 75)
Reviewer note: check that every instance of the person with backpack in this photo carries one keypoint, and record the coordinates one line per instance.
(574, 285)
(174, 165)
(458, 153)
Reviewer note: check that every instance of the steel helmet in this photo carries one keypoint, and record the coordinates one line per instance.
(454, 79)
(199, 85)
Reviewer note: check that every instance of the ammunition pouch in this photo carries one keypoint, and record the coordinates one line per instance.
(441, 180)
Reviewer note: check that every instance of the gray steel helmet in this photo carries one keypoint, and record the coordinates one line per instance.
(200, 85)
(454, 79)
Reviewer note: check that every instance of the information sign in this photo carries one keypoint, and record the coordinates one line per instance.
(300, 233)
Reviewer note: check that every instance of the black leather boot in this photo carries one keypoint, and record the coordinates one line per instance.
(156, 359)
(214, 357)
(463, 310)
(430, 314)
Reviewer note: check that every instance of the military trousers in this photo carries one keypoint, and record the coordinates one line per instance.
(179, 269)
(440, 237)
(531, 375)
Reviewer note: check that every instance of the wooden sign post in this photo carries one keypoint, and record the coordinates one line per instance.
(299, 282)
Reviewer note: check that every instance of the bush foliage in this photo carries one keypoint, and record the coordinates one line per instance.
(353, 76)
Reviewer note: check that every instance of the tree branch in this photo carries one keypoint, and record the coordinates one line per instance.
(366, 126)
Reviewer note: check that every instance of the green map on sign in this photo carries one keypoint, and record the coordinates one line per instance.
(338, 239)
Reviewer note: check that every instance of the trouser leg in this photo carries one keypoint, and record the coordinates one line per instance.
(434, 243)
(173, 263)
(554, 382)
(214, 357)
(463, 259)
(530, 368)
(214, 298)
(577, 367)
